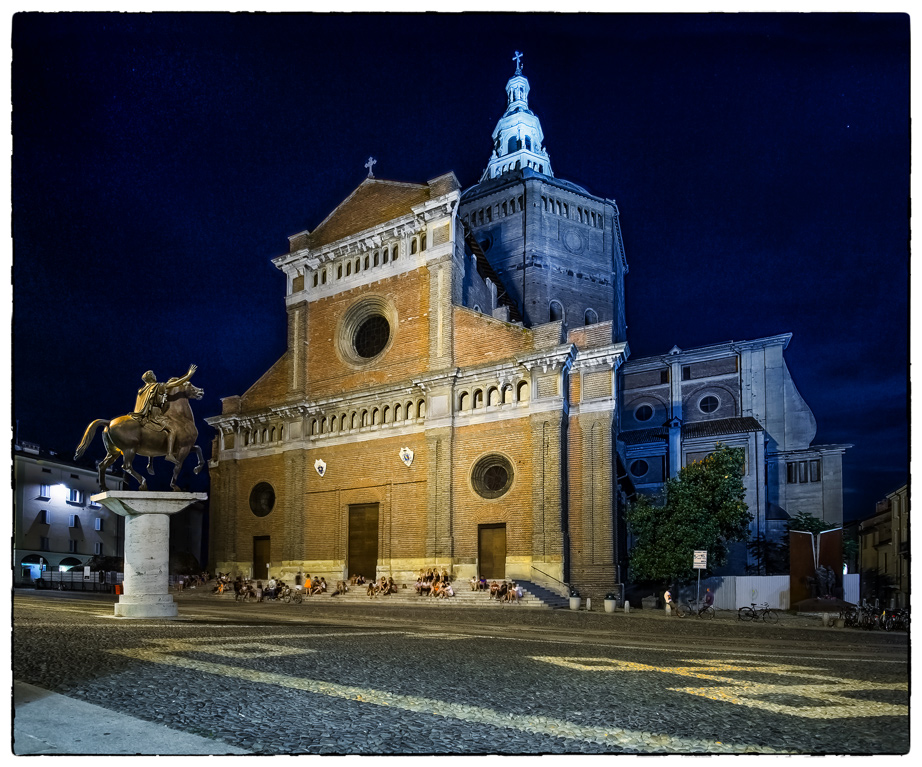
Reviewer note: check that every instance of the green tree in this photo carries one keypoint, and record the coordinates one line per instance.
(703, 508)
(768, 557)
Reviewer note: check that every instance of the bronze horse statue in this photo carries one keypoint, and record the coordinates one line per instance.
(127, 437)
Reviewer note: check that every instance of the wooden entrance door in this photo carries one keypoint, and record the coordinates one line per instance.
(261, 557)
(491, 551)
(363, 540)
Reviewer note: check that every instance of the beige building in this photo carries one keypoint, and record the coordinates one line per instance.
(884, 555)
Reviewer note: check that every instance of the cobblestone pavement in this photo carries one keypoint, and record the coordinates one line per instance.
(331, 679)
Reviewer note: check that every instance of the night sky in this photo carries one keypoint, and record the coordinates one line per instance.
(760, 164)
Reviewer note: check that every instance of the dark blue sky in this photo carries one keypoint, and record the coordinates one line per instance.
(760, 163)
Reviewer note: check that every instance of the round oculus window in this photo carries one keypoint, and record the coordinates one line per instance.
(366, 331)
(708, 404)
(262, 499)
(371, 336)
(492, 476)
(639, 468)
(643, 413)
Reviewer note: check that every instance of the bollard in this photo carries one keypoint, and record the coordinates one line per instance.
(627, 607)
(588, 603)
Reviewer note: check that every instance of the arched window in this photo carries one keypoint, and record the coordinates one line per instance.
(409, 410)
(505, 210)
(521, 393)
(413, 245)
(386, 256)
(334, 423)
(528, 142)
(339, 272)
(364, 418)
(398, 412)
(272, 435)
(591, 317)
(512, 145)
(478, 398)
(354, 420)
(421, 409)
(394, 253)
(313, 426)
(323, 277)
(342, 422)
(556, 311)
(493, 396)
(348, 268)
(464, 401)
(422, 241)
(377, 254)
(358, 263)
(376, 417)
(315, 279)
(387, 414)
(507, 394)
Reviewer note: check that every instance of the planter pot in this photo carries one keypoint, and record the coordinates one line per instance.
(574, 603)
(611, 605)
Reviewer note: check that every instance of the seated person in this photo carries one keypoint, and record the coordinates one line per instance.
(370, 591)
(473, 583)
(323, 585)
(447, 590)
(436, 588)
(503, 590)
(482, 584)
(494, 589)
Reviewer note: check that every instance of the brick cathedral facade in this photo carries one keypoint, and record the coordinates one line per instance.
(449, 394)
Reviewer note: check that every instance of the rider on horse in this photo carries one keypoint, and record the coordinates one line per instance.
(151, 397)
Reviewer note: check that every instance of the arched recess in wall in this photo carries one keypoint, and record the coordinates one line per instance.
(555, 311)
(464, 401)
(493, 396)
(590, 317)
(521, 391)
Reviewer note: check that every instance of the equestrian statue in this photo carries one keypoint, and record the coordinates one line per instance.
(162, 424)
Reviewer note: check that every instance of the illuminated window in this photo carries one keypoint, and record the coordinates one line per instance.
(75, 496)
(44, 492)
(98, 524)
(44, 517)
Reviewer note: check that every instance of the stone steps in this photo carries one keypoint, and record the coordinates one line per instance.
(534, 596)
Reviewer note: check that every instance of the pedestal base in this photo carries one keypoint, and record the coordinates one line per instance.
(147, 549)
(154, 606)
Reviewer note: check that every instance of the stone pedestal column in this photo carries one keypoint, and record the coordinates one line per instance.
(147, 549)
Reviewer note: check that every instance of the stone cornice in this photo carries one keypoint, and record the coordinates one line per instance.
(704, 353)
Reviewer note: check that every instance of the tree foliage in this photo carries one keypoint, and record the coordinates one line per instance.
(703, 509)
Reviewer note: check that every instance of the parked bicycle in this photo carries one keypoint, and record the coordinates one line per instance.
(701, 610)
(756, 612)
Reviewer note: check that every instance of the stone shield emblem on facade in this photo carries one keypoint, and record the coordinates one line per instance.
(320, 466)
(406, 455)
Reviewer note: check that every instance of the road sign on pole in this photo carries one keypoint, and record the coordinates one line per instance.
(700, 563)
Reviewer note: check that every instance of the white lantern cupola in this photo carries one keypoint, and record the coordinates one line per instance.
(518, 141)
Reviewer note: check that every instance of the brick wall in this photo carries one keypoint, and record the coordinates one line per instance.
(479, 339)
(329, 375)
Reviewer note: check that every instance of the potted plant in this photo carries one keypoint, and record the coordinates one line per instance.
(574, 599)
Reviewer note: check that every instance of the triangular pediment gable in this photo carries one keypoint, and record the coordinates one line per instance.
(374, 202)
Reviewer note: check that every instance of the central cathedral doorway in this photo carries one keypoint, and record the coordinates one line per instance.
(363, 540)
(491, 551)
